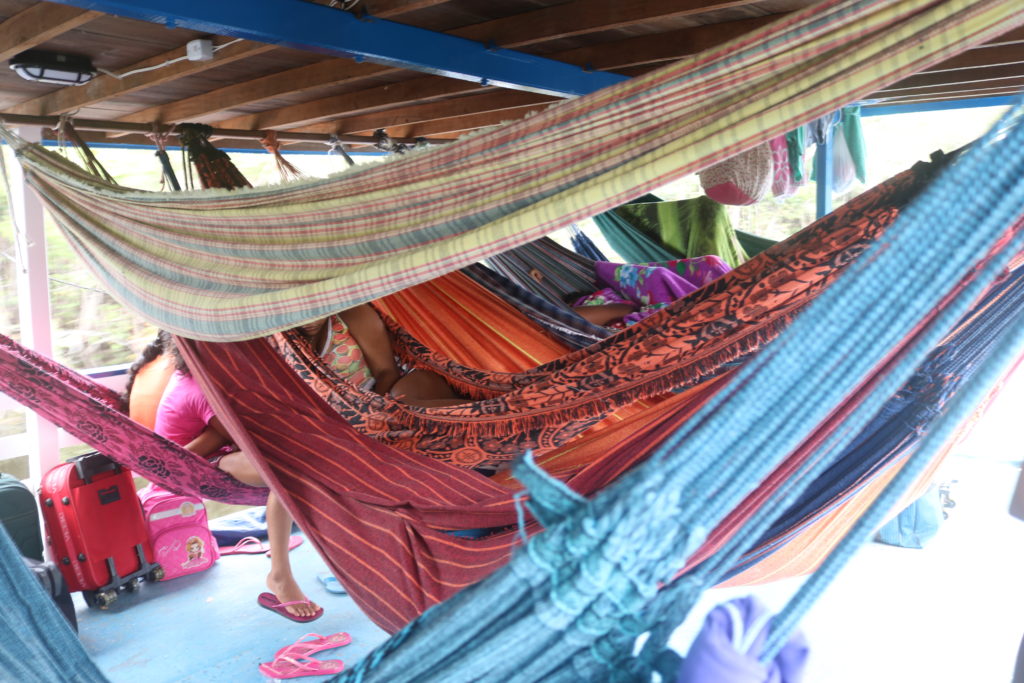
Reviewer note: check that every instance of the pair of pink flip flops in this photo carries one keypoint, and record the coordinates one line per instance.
(295, 660)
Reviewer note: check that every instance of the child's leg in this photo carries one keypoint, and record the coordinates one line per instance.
(280, 581)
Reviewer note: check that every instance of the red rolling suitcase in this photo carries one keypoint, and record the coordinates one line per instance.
(94, 528)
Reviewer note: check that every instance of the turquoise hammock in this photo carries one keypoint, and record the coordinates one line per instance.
(570, 605)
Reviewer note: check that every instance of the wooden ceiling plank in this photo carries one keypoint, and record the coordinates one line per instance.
(950, 95)
(37, 24)
(1015, 81)
(997, 55)
(421, 90)
(329, 72)
(454, 126)
(105, 87)
(585, 16)
(288, 82)
(1008, 38)
(678, 44)
(662, 47)
(488, 103)
(978, 75)
(645, 50)
(386, 9)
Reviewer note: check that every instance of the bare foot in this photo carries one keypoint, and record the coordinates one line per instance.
(287, 590)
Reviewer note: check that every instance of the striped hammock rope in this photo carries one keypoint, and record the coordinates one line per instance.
(241, 264)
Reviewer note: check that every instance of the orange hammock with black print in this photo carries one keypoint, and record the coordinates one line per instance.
(541, 399)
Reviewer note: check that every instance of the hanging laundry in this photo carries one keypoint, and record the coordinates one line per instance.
(853, 134)
(848, 147)
(843, 171)
(796, 143)
(783, 184)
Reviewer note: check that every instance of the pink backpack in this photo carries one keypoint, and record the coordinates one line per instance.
(179, 531)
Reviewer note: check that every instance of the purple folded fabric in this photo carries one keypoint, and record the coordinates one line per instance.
(652, 286)
(728, 647)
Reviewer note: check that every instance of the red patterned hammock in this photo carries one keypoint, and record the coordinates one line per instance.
(92, 413)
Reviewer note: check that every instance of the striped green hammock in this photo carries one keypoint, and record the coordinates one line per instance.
(686, 228)
(237, 265)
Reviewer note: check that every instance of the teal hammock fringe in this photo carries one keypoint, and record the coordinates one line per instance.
(571, 603)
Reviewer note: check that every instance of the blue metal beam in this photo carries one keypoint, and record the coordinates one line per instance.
(823, 175)
(309, 26)
(967, 103)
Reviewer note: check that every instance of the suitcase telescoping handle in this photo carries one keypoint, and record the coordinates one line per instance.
(89, 465)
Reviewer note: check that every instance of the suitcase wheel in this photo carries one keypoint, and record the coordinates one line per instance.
(156, 575)
(133, 585)
(100, 599)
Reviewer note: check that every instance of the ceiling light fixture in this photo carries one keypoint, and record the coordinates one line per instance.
(53, 67)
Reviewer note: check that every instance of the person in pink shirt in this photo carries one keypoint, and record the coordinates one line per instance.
(185, 417)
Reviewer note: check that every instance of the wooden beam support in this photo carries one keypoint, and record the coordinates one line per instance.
(115, 126)
(105, 87)
(37, 24)
(318, 145)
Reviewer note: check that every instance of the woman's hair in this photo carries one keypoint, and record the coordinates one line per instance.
(572, 297)
(172, 349)
(164, 343)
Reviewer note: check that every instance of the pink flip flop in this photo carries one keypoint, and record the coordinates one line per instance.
(319, 643)
(250, 545)
(294, 667)
(269, 601)
(294, 541)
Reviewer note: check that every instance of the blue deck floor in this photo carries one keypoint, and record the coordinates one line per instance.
(207, 627)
